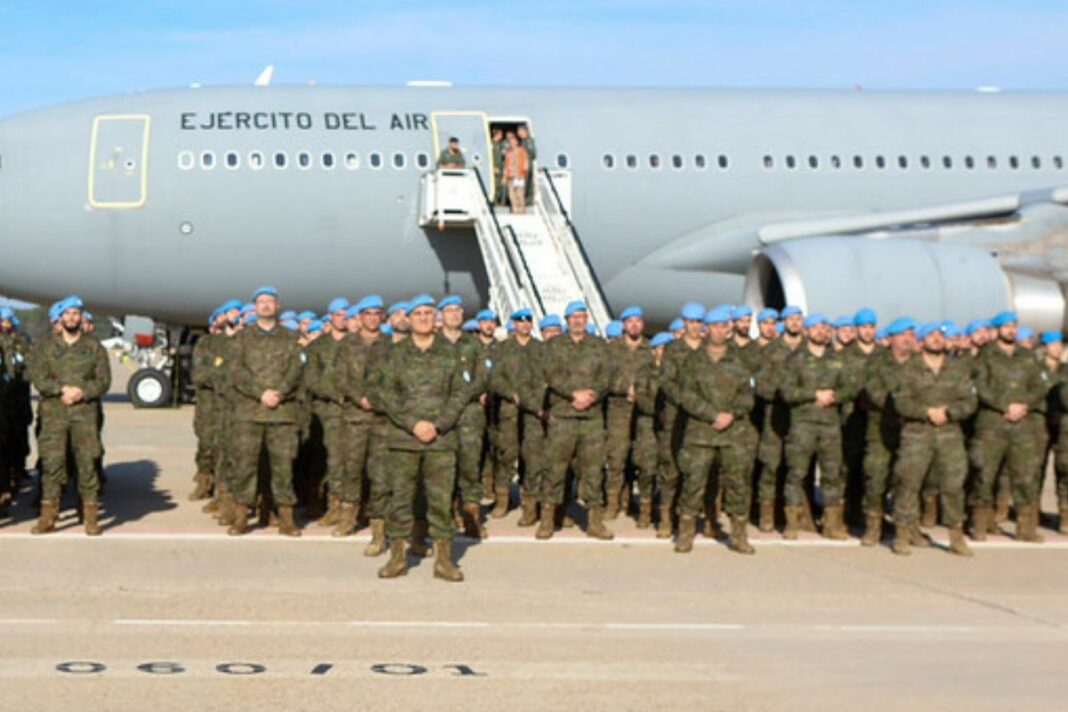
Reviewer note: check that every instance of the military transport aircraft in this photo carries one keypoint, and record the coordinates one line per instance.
(165, 203)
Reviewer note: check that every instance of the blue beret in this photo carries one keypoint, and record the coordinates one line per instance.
(470, 325)
(1024, 333)
(741, 310)
(387, 330)
(843, 321)
(486, 315)
(662, 339)
(420, 300)
(952, 331)
(614, 329)
(693, 311)
(352, 311)
(53, 312)
(780, 328)
(398, 306)
(289, 324)
(900, 325)
(817, 318)
(550, 320)
(450, 300)
(974, 326)
(371, 301)
(265, 289)
(337, 304)
(7, 313)
(521, 313)
(315, 326)
(231, 304)
(767, 313)
(1005, 317)
(1048, 337)
(719, 315)
(881, 334)
(287, 314)
(928, 328)
(304, 315)
(591, 329)
(88, 315)
(251, 318)
(73, 302)
(249, 306)
(789, 310)
(630, 313)
(865, 316)
(211, 318)
(575, 306)
(15, 322)
(676, 324)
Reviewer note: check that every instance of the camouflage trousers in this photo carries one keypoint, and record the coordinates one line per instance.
(728, 466)
(770, 451)
(223, 466)
(805, 442)
(506, 446)
(471, 432)
(936, 449)
(882, 441)
(352, 450)
(998, 443)
(430, 472)
(280, 441)
(577, 442)
(334, 434)
(78, 431)
(535, 461)
(630, 439)
(667, 472)
(1060, 462)
(619, 417)
(378, 490)
(205, 424)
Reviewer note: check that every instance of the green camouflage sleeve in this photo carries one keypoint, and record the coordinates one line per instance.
(40, 372)
(101, 379)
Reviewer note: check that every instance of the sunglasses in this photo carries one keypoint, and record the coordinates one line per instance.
(523, 318)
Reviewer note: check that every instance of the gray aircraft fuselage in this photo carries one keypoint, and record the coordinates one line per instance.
(99, 197)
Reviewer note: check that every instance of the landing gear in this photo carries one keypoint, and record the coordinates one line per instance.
(149, 388)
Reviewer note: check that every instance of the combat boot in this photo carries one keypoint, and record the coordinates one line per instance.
(873, 529)
(957, 544)
(420, 531)
(1062, 527)
(804, 514)
(611, 510)
(443, 566)
(929, 518)
(901, 539)
(287, 526)
(739, 536)
(529, 508)
(981, 517)
(500, 507)
(202, 488)
(47, 521)
(687, 531)
(767, 517)
(833, 527)
(91, 514)
(225, 513)
(645, 513)
(346, 520)
(212, 505)
(663, 527)
(333, 511)
(793, 516)
(1001, 508)
(377, 545)
(239, 523)
(1027, 524)
(917, 539)
(398, 562)
(547, 523)
(595, 527)
(472, 516)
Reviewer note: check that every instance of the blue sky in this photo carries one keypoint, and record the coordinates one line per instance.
(54, 51)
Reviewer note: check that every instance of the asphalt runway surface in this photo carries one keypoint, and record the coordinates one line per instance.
(164, 611)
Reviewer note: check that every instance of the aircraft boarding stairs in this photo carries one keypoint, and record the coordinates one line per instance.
(532, 260)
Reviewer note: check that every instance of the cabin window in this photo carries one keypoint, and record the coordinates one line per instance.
(836, 162)
(186, 160)
(925, 162)
(280, 160)
(880, 162)
(769, 162)
(902, 162)
(1014, 162)
(654, 161)
(813, 162)
(699, 162)
(255, 160)
(327, 161)
(723, 161)
(207, 160)
(1058, 162)
(1036, 162)
(399, 161)
(352, 160)
(422, 160)
(858, 162)
(969, 162)
(304, 160)
(632, 162)
(562, 160)
(233, 161)
(991, 162)
(947, 162)
(676, 162)
(608, 161)
(791, 162)
(375, 160)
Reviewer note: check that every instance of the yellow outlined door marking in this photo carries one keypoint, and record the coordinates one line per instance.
(118, 161)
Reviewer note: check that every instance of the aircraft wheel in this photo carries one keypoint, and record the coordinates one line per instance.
(149, 388)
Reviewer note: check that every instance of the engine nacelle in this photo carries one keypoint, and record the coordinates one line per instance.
(925, 280)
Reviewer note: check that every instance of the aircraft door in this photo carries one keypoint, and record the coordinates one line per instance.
(118, 158)
(472, 128)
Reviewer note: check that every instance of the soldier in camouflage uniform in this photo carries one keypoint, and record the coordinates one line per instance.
(350, 376)
(934, 394)
(17, 413)
(424, 389)
(1010, 383)
(532, 390)
(70, 372)
(578, 376)
(1057, 419)
(628, 436)
(222, 503)
(207, 410)
(716, 392)
(856, 345)
(814, 383)
(267, 375)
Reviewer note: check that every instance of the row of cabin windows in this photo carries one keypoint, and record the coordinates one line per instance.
(653, 161)
(903, 162)
(304, 160)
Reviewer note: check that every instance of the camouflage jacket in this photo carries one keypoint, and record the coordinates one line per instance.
(918, 388)
(531, 386)
(707, 388)
(53, 364)
(424, 385)
(322, 377)
(856, 363)
(205, 357)
(267, 360)
(1002, 379)
(352, 376)
(16, 350)
(627, 364)
(570, 366)
(804, 373)
(882, 376)
(770, 370)
(507, 374)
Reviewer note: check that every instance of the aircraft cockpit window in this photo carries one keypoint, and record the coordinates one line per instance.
(352, 160)
(969, 162)
(561, 160)
(925, 162)
(304, 160)
(858, 162)
(769, 162)
(880, 162)
(902, 162)
(813, 162)
(1036, 162)
(991, 162)
(280, 160)
(186, 160)
(836, 162)
(608, 161)
(1058, 162)
(947, 162)
(791, 162)
(376, 160)
(723, 161)
(632, 162)
(1014, 162)
(327, 161)
(654, 161)
(207, 160)
(233, 161)
(699, 162)
(255, 160)
(399, 161)
(422, 160)
(676, 162)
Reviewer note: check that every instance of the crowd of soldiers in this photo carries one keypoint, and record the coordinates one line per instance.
(412, 419)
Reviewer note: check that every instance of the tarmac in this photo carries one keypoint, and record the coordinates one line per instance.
(165, 611)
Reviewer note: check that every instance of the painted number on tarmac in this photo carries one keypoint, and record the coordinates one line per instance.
(236, 668)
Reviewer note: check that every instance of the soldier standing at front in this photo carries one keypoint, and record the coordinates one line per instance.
(70, 372)
(267, 376)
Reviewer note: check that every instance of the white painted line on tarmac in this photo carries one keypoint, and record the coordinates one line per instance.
(180, 622)
(897, 628)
